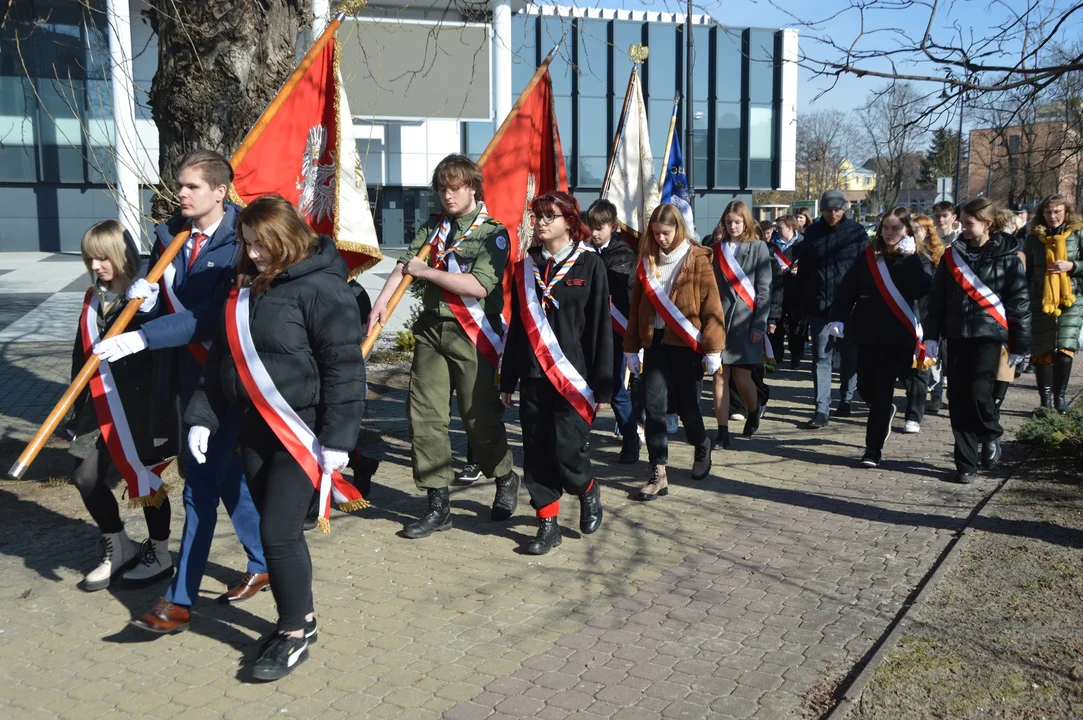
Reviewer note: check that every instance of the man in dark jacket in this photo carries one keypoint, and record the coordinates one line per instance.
(189, 310)
(830, 247)
(620, 266)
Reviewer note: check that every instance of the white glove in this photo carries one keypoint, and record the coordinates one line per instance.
(1014, 360)
(121, 346)
(932, 347)
(332, 460)
(712, 363)
(145, 290)
(836, 329)
(908, 246)
(632, 361)
(197, 443)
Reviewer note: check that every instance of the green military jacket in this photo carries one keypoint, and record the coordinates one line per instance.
(484, 255)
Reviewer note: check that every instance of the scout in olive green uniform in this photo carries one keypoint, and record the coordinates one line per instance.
(466, 239)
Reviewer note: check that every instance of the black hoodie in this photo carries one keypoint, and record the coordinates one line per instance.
(307, 332)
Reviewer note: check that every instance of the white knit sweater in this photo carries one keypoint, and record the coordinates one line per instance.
(669, 265)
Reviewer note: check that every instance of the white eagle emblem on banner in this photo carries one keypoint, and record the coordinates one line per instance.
(317, 181)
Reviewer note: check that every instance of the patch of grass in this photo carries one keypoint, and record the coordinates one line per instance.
(1049, 430)
(915, 657)
(389, 357)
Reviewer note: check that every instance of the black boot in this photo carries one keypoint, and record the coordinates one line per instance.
(721, 439)
(507, 497)
(1062, 370)
(629, 449)
(438, 517)
(590, 509)
(1043, 374)
(547, 539)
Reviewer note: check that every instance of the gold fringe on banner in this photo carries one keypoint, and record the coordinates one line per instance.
(154, 500)
(358, 504)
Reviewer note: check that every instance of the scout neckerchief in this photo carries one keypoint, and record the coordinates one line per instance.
(145, 486)
(174, 306)
(972, 285)
(298, 439)
(547, 287)
(725, 254)
(543, 341)
(903, 310)
(780, 257)
(468, 311)
(663, 305)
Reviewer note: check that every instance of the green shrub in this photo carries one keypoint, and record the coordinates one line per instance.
(404, 341)
(1049, 430)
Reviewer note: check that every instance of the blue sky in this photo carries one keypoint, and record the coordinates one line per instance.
(884, 28)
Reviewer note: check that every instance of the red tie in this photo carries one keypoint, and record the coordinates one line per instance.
(197, 243)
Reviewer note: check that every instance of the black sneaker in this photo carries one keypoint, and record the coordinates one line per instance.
(818, 421)
(870, 459)
(470, 473)
(843, 410)
(279, 656)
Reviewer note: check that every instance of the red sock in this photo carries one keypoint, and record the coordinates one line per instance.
(550, 510)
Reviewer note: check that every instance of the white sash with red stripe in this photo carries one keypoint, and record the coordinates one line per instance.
(543, 341)
(474, 321)
(174, 305)
(726, 256)
(780, 257)
(145, 486)
(903, 310)
(972, 285)
(620, 323)
(671, 316)
(291, 431)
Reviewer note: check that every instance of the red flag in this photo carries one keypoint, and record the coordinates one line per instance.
(525, 162)
(308, 155)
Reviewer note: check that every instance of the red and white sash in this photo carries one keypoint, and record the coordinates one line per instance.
(972, 285)
(620, 323)
(663, 305)
(174, 305)
(560, 371)
(145, 486)
(474, 321)
(903, 310)
(291, 431)
(780, 257)
(726, 256)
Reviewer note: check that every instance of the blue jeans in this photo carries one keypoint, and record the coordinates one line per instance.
(220, 478)
(622, 399)
(823, 351)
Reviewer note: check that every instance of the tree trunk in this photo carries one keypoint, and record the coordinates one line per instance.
(219, 65)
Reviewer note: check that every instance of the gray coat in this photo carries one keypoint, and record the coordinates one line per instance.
(755, 259)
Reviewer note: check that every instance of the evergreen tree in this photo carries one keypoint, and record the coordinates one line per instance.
(941, 159)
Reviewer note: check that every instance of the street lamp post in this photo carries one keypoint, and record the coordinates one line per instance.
(957, 194)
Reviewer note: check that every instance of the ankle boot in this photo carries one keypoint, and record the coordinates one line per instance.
(155, 564)
(1062, 370)
(548, 537)
(657, 484)
(119, 553)
(1043, 374)
(629, 449)
(721, 439)
(438, 518)
(590, 509)
(507, 497)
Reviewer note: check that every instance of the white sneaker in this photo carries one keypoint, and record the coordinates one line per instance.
(738, 417)
(154, 564)
(119, 552)
(912, 427)
(671, 424)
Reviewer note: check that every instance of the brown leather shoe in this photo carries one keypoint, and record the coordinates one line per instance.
(164, 617)
(250, 584)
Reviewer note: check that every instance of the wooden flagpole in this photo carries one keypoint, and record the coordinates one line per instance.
(423, 254)
(154, 275)
(669, 144)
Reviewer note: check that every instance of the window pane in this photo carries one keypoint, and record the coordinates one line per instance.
(659, 113)
(476, 136)
(592, 131)
(625, 34)
(701, 59)
(554, 29)
(699, 144)
(761, 135)
(727, 173)
(593, 59)
(761, 66)
(62, 105)
(591, 171)
(564, 127)
(17, 157)
(727, 141)
(662, 61)
(524, 52)
(728, 70)
(759, 173)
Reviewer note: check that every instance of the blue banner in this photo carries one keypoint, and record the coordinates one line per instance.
(675, 185)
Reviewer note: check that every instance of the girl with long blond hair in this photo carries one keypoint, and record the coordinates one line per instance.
(288, 351)
(675, 319)
(116, 420)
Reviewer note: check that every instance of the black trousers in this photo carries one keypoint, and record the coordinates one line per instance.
(917, 386)
(792, 333)
(671, 373)
(879, 367)
(555, 455)
(89, 478)
(972, 370)
(281, 491)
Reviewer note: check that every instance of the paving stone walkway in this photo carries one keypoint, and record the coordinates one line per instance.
(730, 598)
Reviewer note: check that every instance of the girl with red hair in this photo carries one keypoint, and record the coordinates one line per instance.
(559, 350)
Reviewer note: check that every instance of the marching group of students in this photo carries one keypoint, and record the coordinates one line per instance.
(251, 342)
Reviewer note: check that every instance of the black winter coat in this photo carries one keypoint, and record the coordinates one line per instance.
(785, 286)
(826, 254)
(620, 268)
(307, 331)
(873, 322)
(953, 314)
(581, 324)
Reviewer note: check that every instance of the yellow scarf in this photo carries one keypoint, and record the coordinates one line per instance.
(1057, 293)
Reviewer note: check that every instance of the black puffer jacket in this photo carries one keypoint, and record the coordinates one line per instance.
(873, 322)
(784, 284)
(826, 254)
(953, 314)
(307, 332)
(620, 269)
